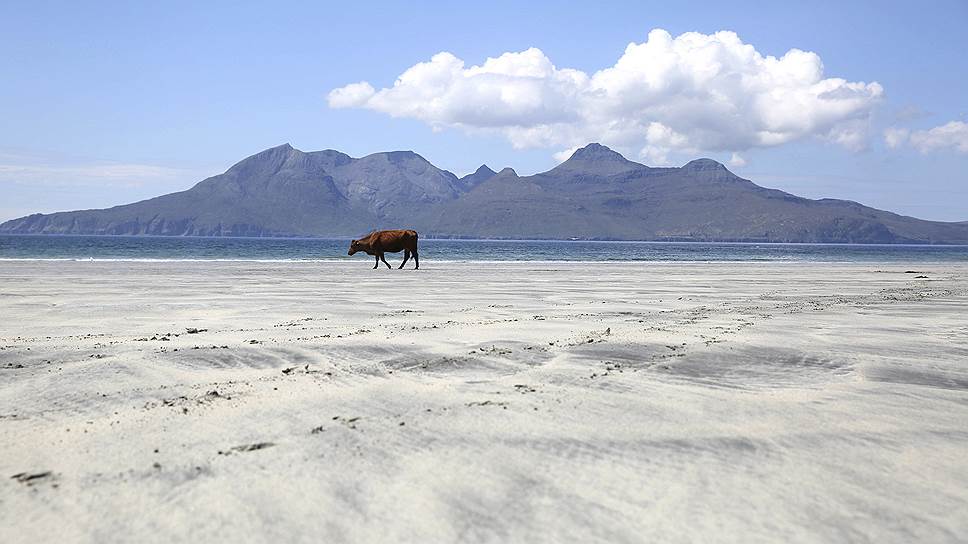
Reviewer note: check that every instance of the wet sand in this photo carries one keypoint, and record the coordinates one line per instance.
(621, 402)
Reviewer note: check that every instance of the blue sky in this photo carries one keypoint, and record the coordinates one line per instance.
(107, 103)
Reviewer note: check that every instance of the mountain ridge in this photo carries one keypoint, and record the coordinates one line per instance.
(595, 194)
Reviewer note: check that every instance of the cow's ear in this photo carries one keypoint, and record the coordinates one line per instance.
(352, 241)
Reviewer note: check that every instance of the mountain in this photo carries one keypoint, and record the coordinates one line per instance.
(479, 176)
(596, 194)
(278, 192)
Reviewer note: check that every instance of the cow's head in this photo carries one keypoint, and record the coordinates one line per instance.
(354, 247)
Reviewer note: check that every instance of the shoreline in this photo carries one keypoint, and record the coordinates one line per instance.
(429, 260)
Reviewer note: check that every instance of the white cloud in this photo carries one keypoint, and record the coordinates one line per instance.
(694, 92)
(896, 137)
(737, 161)
(953, 135)
(353, 95)
(655, 155)
(565, 154)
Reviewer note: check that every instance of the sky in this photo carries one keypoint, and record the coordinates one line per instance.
(111, 102)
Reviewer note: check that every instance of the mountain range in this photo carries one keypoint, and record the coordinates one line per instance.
(596, 194)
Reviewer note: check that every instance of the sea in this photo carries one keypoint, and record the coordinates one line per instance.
(151, 248)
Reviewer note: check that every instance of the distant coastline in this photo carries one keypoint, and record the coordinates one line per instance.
(597, 194)
(509, 240)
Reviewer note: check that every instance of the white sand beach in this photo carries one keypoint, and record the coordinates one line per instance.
(483, 402)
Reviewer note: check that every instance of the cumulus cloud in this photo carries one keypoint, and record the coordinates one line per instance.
(353, 95)
(953, 135)
(690, 93)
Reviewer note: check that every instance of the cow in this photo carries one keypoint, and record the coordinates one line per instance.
(381, 241)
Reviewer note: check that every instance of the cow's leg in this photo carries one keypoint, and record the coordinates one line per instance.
(406, 255)
(416, 260)
(384, 259)
(377, 262)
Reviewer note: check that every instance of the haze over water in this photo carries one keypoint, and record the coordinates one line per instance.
(182, 248)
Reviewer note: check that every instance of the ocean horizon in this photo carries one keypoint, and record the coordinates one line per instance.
(166, 248)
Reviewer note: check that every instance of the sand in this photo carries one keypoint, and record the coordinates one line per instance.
(483, 402)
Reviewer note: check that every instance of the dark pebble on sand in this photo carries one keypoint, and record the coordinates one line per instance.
(27, 478)
(253, 447)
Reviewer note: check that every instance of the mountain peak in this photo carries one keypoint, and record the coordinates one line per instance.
(398, 157)
(282, 149)
(596, 152)
(709, 170)
(596, 160)
(267, 160)
(330, 158)
(480, 175)
(507, 171)
(703, 165)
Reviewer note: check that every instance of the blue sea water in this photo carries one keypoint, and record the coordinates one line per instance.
(272, 249)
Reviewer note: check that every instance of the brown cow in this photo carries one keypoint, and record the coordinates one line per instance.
(380, 241)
